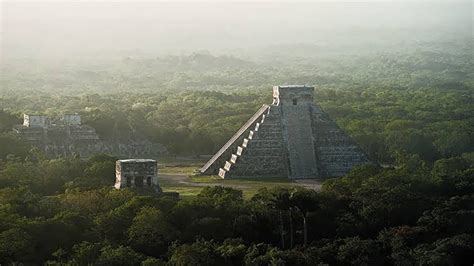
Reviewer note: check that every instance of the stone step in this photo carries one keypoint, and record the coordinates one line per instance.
(252, 158)
(251, 133)
(233, 158)
(269, 173)
(245, 143)
(257, 125)
(264, 143)
(264, 152)
(222, 172)
(240, 150)
(227, 165)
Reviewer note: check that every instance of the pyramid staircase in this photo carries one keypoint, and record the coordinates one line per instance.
(240, 149)
(291, 138)
(237, 144)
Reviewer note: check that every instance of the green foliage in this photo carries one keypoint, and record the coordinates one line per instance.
(198, 253)
(85, 253)
(456, 250)
(454, 215)
(7, 121)
(12, 146)
(233, 251)
(355, 251)
(221, 197)
(150, 232)
(414, 101)
(446, 168)
(120, 255)
(410, 110)
(153, 262)
(371, 216)
(15, 244)
(18, 201)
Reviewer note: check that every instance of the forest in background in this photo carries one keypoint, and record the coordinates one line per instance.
(409, 107)
(416, 101)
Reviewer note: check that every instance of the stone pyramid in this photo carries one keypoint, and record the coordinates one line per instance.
(290, 138)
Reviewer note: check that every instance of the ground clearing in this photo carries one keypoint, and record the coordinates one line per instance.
(178, 176)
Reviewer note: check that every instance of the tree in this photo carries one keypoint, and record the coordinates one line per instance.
(453, 216)
(281, 200)
(200, 252)
(12, 146)
(221, 197)
(208, 228)
(99, 174)
(7, 121)
(258, 254)
(121, 256)
(150, 232)
(456, 250)
(277, 199)
(305, 201)
(19, 201)
(446, 168)
(356, 251)
(85, 253)
(59, 255)
(153, 262)
(114, 224)
(15, 246)
(233, 251)
(18, 174)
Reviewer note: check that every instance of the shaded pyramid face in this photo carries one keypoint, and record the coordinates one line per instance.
(290, 138)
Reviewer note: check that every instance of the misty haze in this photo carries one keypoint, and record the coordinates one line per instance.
(236, 133)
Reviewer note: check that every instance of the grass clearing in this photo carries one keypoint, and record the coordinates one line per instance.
(183, 170)
(184, 191)
(183, 166)
(249, 186)
(178, 176)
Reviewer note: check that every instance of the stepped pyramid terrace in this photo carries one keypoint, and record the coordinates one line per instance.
(292, 138)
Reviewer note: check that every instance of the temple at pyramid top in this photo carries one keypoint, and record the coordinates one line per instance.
(290, 138)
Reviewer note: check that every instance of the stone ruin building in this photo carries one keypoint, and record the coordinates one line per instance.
(39, 129)
(290, 138)
(136, 173)
(67, 136)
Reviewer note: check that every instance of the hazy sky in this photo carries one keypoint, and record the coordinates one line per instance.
(38, 28)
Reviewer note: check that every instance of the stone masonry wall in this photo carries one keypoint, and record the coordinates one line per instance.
(336, 151)
(264, 154)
